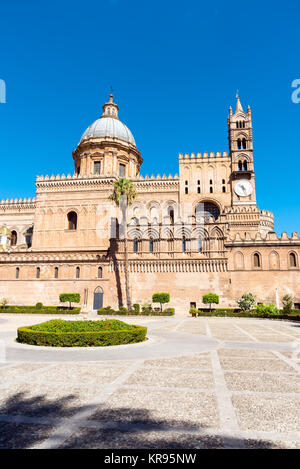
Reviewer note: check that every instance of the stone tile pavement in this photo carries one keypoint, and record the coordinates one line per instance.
(197, 383)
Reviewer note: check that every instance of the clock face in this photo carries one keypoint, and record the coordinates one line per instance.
(243, 188)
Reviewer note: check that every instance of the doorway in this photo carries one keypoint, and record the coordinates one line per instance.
(98, 298)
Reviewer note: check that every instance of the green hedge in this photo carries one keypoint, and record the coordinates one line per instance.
(109, 311)
(42, 310)
(60, 333)
(295, 314)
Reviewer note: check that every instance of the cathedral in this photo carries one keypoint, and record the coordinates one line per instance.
(196, 232)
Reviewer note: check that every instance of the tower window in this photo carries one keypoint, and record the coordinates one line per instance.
(97, 167)
(186, 191)
(293, 260)
(198, 189)
(245, 166)
(38, 272)
(223, 189)
(240, 166)
(256, 259)
(72, 221)
(211, 190)
(17, 272)
(244, 143)
(223, 181)
(122, 170)
(77, 272)
(207, 209)
(171, 214)
(186, 183)
(100, 272)
(56, 272)
(14, 238)
(239, 143)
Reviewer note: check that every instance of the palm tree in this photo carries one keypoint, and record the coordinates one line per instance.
(123, 196)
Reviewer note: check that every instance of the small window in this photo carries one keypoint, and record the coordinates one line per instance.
(240, 166)
(100, 272)
(186, 183)
(97, 167)
(14, 238)
(257, 262)
(151, 245)
(17, 272)
(38, 272)
(183, 244)
(199, 244)
(135, 245)
(171, 214)
(293, 260)
(239, 143)
(245, 166)
(56, 272)
(223, 189)
(77, 272)
(198, 190)
(186, 191)
(198, 182)
(122, 170)
(210, 181)
(211, 190)
(244, 144)
(72, 221)
(223, 181)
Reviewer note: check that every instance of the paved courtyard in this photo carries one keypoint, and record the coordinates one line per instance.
(196, 383)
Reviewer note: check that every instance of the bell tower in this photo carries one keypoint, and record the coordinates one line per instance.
(241, 153)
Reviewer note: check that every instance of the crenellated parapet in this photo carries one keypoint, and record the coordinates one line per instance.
(157, 183)
(200, 156)
(16, 256)
(51, 183)
(17, 205)
(263, 239)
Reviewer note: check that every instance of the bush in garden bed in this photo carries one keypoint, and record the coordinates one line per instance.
(294, 315)
(124, 312)
(43, 310)
(60, 333)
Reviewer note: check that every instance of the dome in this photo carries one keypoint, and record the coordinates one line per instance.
(108, 127)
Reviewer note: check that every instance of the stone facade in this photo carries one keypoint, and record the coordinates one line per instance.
(189, 234)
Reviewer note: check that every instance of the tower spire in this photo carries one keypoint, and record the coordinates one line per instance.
(110, 109)
(239, 106)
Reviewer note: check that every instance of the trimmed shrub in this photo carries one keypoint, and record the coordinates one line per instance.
(287, 302)
(39, 305)
(123, 310)
(169, 311)
(69, 298)
(60, 333)
(34, 310)
(137, 308)
(210, 298)
(250, 314)
(161, 298)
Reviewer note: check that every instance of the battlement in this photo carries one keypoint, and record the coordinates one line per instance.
(258, 237)
(138, 178)
(156, 178)
(17, 204)
(197, 156)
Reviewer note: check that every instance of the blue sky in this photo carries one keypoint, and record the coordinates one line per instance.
(175, 68)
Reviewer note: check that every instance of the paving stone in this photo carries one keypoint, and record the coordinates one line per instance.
(245, 353)
(195, 361)
(22, 436)
(262, 382)
(255, 364)
(191, 410)
(278, 414)
(170, 378)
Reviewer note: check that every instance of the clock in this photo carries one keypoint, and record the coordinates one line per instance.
(243, 188)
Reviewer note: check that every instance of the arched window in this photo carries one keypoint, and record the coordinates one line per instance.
(239, 143)
(14, 238)
(171, 214)
(244, 143)
(245, 166)
(200, 244)
(100, 272)
(240, 166)
(38, 272)
(77, 272)
(183, 244)
(17, 272)
(206, 209)
(97, 167)
(256, 259)
(56, 272)
(72, 221)
(135, 245)
(293, 260)
(151, 245)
